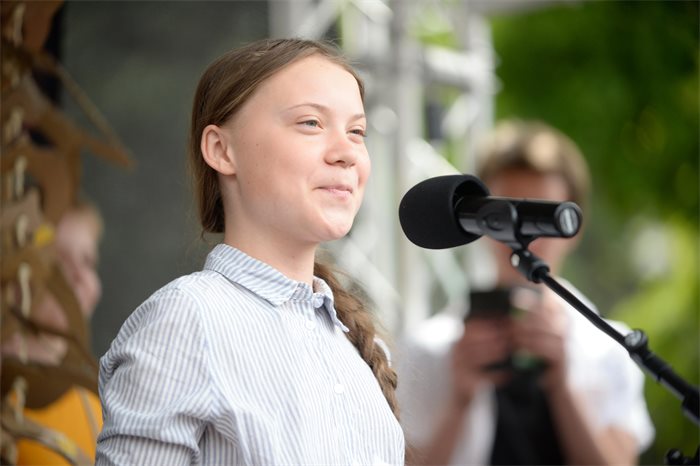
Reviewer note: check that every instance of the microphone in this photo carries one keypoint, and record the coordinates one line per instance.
(449, 211)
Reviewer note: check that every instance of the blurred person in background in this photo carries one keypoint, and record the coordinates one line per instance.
(76, 414)
(523, 378)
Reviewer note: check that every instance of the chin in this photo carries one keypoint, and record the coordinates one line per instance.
(335, 225)
(336, 235)
(335, 232)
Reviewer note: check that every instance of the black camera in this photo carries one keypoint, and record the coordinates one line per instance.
(498, 303)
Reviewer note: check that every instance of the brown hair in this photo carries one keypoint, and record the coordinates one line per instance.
(223, 89)
(535, 146)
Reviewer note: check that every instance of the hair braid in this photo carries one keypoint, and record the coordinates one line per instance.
(354, 314)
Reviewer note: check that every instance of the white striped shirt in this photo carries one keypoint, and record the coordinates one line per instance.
(238, 364)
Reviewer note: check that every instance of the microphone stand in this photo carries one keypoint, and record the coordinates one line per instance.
(636, 342)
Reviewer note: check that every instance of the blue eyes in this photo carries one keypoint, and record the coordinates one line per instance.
(316, 124)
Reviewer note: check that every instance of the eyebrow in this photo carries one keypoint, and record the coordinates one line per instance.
(324, 109)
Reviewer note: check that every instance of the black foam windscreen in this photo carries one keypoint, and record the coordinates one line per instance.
(427, 211)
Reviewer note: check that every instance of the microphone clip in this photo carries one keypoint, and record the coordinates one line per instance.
(528, 264)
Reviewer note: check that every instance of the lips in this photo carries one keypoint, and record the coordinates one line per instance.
(339, 188)
(338, 191)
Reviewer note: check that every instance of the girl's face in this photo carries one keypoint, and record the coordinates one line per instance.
(299, 155)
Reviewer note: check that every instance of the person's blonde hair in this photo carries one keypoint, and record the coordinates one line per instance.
(535, 146)
(223, 89)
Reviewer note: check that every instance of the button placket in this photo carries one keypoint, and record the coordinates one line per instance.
(310, 324)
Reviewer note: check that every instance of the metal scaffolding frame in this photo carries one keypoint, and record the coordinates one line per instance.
(402, 76)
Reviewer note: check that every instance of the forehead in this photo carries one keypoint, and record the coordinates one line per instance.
(528, 183)
(75, 226)
(311, 77)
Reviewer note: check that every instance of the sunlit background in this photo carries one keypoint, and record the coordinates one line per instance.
(619, 77)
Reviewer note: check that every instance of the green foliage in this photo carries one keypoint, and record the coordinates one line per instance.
(621, 78)
(660, 309)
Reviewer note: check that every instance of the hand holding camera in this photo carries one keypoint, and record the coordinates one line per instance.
(511, 330)
(539, 335)
(486, 343)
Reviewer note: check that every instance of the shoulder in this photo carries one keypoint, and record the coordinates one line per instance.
(185, 294)
(197, 285)
(179, 297)
(174, 308)
(164, 335)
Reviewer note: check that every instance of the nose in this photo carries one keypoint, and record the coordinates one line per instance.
(342, 150)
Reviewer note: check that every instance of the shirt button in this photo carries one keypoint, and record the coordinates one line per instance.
(318, 301)
(339, 388)
(310, 324)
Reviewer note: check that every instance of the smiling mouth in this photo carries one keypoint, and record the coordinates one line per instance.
(339, 191)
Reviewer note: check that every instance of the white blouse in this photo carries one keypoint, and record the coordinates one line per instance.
(238, 364)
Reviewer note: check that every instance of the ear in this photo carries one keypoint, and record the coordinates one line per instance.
(216, 151)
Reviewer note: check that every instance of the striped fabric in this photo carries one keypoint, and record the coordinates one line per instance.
(238, 364)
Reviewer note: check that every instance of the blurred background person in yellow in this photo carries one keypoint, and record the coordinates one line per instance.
(76, 415)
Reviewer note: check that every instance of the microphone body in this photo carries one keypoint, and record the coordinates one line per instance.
(504, 218)
(448, 211)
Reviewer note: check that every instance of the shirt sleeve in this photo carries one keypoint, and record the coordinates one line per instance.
(155, 385)
(609, 380)
(626, 406)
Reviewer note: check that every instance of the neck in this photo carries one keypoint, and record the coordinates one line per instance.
(292, 260)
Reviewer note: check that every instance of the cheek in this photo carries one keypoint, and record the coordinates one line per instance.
(551, 250)
(96, 286)
(270, 165)
(364, 169)
(89, 291)
(500, 251)
(363, 173)
(93, 287)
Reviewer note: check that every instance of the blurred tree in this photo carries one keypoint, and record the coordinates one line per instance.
(621, 78)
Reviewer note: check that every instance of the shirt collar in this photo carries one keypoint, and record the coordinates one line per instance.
(268, 282)
(324, 291)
